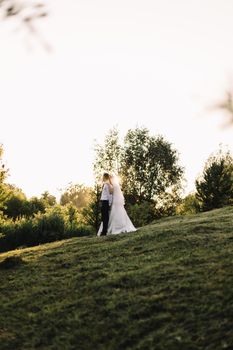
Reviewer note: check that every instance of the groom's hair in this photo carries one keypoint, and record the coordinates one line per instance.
(106, 175)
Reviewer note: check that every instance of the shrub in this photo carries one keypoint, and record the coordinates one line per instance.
(21, 232)
(141, 213)
(55, 224)
(189, 205)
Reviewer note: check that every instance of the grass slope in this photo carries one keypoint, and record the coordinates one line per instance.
(168, 286)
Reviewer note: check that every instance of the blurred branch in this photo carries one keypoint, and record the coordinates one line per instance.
(26, 13)
(227, 106)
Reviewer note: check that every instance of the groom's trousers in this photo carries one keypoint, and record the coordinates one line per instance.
(105, 216)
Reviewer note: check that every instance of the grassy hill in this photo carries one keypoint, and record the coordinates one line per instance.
(168, 286)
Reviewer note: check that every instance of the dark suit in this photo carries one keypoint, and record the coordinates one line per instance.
(105, 216)
(106, 199)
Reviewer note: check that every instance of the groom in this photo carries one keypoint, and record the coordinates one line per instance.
(106, 201)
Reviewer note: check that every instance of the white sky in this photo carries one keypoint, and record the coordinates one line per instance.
(126, 63)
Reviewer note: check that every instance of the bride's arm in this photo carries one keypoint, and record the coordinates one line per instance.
(111, 189)
(110, 186)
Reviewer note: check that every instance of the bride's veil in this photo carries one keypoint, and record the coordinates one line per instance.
(118, 197)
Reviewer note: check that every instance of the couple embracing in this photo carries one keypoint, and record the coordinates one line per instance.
(113, 214)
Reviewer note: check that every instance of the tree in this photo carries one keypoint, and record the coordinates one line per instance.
(91, 213)
(17, 205)
(3, 175)
(15, 202)
(149, 167)
(108, 155)
(76, 194)
(33, 206)
(49, 199)
(215, 186)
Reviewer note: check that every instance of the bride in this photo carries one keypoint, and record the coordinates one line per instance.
(119, 220)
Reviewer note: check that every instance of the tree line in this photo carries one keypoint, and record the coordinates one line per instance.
(152, 181)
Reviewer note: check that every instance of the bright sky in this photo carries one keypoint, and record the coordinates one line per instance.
(154, 63)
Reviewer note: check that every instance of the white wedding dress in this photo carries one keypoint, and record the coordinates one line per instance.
(119, 220)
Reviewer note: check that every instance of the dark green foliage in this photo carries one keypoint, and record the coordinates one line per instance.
(141, 213)
(14, 234)
(16, 204)
(166, 287)
(14, 207)
(50, 226)
(92, 213)
(34, 206)
(215, 188)
(55, 224)
(150, 167)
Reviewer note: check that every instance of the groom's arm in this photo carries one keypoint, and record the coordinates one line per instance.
(110, 190)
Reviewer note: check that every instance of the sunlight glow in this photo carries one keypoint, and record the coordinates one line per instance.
(158, 64)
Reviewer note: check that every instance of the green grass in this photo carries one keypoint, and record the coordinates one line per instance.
(168, 286)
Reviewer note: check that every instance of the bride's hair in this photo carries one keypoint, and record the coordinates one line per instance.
(118, 197)
(114, 179)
